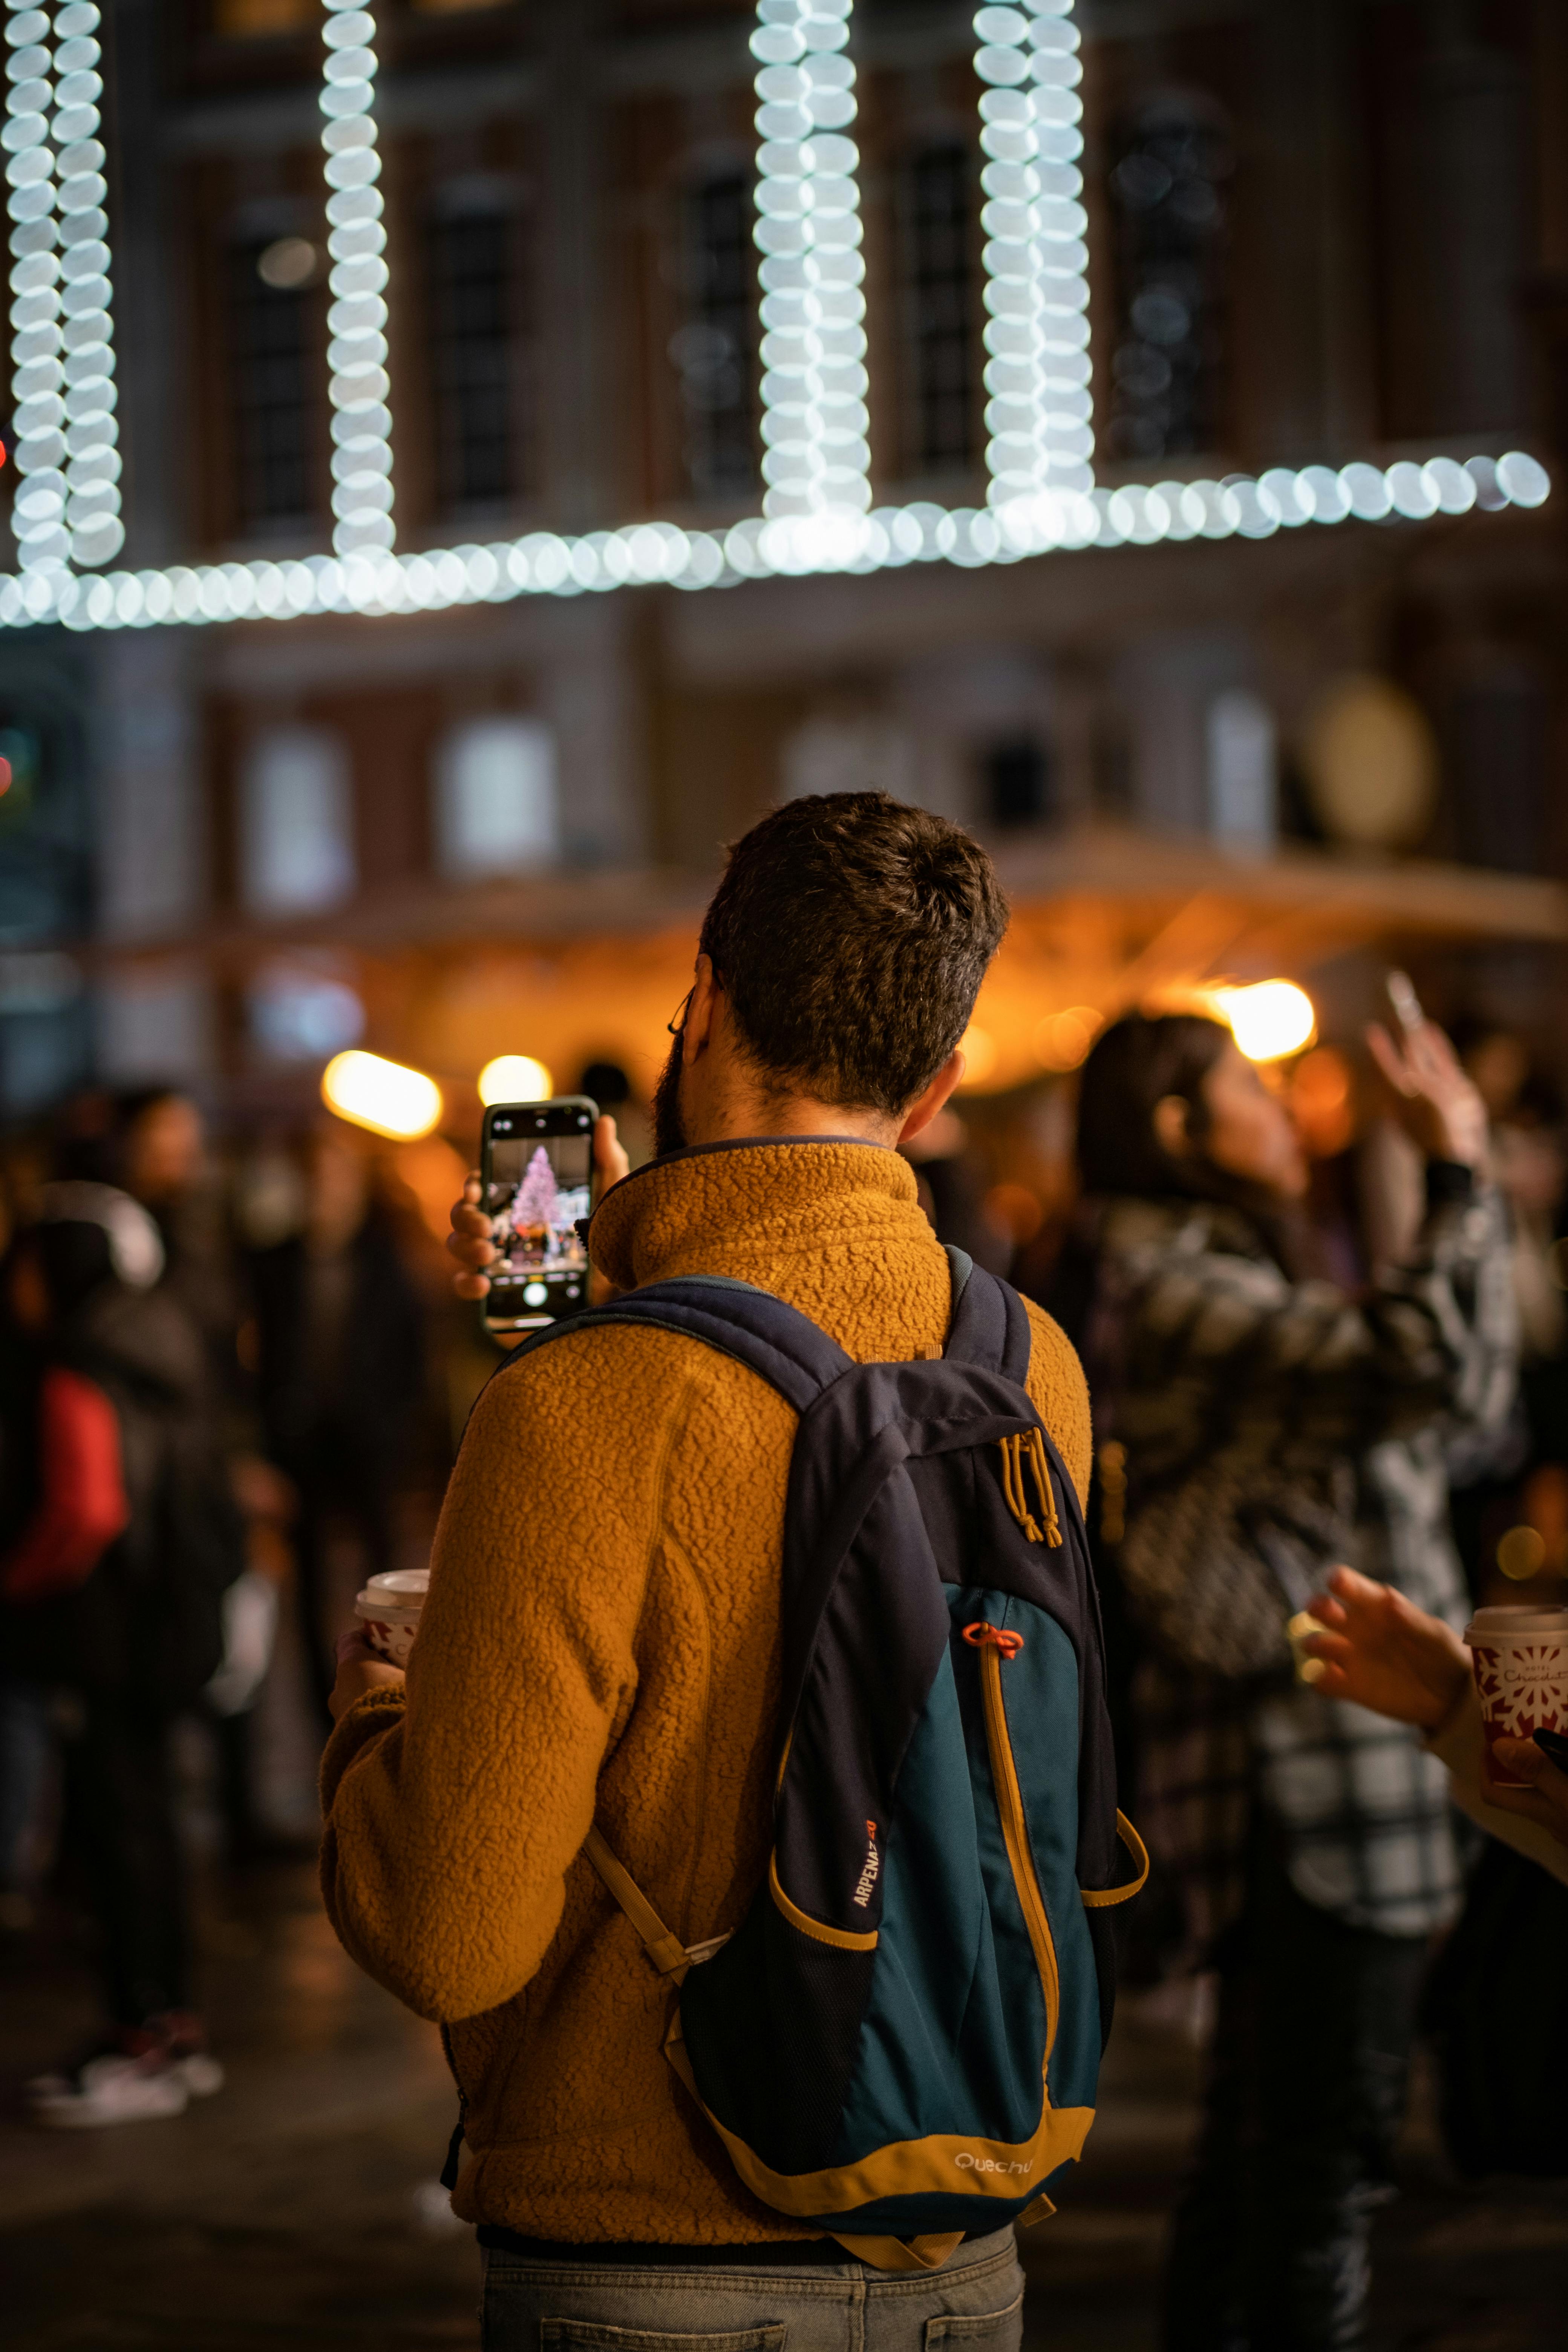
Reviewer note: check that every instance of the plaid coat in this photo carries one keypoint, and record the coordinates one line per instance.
(1272, 1427)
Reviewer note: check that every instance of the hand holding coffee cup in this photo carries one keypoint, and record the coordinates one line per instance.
(1521, 1661)
(388, 1611)
(373, 1655)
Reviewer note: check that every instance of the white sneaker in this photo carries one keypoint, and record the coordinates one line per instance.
(112, 2089)
(200, 2072)
(178, 2033)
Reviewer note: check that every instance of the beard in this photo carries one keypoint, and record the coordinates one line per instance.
(668, 1127)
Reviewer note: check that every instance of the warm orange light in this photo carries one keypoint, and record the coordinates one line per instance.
(1013, 1212)
(434, 1173)
(4, 777)
(1063, 1039)
(1322, 1102)
(1268, 1020)
(384, 1097)
(979, 1050)
(515, 1079)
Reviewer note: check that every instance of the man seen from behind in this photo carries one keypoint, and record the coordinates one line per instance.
(601, 1645)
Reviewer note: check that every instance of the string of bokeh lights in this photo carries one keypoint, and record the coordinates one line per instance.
(818, 461)
(360, 387)
(1040, 410)
(62, 348)
(815, 518)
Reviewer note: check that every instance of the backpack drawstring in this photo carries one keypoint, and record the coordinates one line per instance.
(1031, 1445)
(1047, 1492)
(982, 1635)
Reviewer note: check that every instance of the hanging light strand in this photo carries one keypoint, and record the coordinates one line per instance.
(1039, 410)
(815, 420)
(38, 333)
(62, 347)
(359, 387)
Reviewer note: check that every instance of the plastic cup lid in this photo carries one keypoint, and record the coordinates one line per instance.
(387, 1609)
(1516, 1624)
(401, 1584)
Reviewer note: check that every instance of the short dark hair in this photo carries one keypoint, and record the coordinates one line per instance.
(1133, 1065)
(850, 934)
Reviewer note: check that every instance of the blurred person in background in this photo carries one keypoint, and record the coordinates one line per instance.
(949, 1184)
(339, 1372)
(158, 1152)
(1271, 1422)
(119, 1538)
(153, 1141)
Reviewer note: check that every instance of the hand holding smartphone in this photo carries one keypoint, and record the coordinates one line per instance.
(536, 1170)
(1438, 1102)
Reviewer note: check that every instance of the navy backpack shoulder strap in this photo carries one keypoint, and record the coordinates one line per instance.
(775, 1341)
(990, 1325)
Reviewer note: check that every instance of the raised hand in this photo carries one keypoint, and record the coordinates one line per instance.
(1385, 1653)
(1438, 1103)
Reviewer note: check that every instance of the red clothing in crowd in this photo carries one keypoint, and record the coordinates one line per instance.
(81, 1503)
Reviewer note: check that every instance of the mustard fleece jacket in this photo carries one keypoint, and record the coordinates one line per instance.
(602, 1641)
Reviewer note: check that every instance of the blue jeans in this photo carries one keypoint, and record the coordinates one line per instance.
(973, 2304)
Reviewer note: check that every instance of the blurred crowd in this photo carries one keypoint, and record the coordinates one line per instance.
(273, 1326)
(221, 1411)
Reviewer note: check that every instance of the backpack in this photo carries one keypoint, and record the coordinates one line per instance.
(899, 2044)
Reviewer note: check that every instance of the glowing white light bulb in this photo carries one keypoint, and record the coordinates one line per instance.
(1039, 411)
(815, 419)
(385, 1096)
(515, 1079)
(362, 421)
(1268, 1020)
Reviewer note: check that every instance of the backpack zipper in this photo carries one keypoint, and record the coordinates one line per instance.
(994, 1643)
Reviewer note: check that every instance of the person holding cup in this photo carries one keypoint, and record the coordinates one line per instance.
(1379, 1651)
(600, 1648)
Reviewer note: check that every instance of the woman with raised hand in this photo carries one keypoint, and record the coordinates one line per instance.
(1257, 1423)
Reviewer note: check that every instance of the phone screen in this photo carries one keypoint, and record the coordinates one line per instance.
(537, 1174)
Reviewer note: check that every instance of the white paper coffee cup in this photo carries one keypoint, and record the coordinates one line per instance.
(389, 1608)
(1520, 1659)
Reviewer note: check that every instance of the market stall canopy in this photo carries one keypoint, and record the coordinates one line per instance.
(577, 967)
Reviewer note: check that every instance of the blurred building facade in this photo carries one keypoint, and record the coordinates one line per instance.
(1316, 234)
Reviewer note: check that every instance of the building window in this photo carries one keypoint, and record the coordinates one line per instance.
(278, 378)
(1017, 777)
(937, 233)
(296, 820)
(472, 254)
(1242, 760)
(497, 807)
(1168, 201)
(261, 20)
(303, 1010)
(715, 349)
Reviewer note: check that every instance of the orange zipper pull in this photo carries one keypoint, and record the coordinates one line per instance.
(984, 1637)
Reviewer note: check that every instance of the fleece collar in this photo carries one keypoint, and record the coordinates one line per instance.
(741, 1208)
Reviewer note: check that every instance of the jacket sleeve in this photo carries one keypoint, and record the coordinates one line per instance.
(1338, 1369)
(1462, 1747)
(81, 1505)
(454, 1809)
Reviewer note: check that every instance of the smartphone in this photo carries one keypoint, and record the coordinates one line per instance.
(1405, 1002)
(536, 1180)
